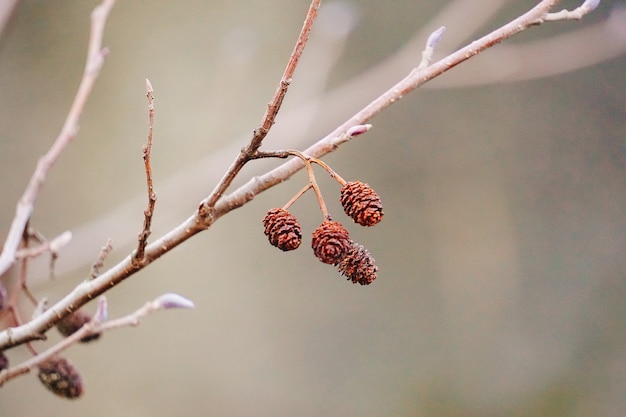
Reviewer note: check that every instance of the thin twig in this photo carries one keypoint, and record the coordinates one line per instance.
(269, 117)
(576, 14)
(316, 189)
(593, 43)
(25, 206)
(147, 150)
(292, 152)
(96, 326)
(52, 246)
(416, 78)
(299, 194)
(99, 262)
(199, 221)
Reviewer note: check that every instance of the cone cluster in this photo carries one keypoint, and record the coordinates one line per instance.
(60, 377)
(331, 241)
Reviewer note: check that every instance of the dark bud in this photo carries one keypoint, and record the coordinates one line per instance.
(60, 377)
(71, 323)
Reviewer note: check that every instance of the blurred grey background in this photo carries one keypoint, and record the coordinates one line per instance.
(502, 286)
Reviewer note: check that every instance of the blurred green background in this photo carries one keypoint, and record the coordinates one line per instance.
(501, 289)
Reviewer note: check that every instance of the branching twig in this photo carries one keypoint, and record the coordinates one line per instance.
(147, 150)
(207, 214)
(576, 14)
(52, 246)
(591, 43)
(269, 117)
(96, 326)
(25, 206)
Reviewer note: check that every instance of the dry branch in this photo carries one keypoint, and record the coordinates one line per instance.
(217, 203)
(96, 326)
(269, 117)
(147, 151)
(26, 204)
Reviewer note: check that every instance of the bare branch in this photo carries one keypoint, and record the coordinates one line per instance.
(99, 263)
(54, 246)
(268, 119)
(201, 220)
(147, 150)
(96, 326)
(576, 14)
(593, 43)
(415, 79)
(25, 206)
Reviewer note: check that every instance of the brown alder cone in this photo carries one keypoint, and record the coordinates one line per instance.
(71, 323)
(358, 265)
(331, 242)
(282, 229)
(60, 377)
(361, 202)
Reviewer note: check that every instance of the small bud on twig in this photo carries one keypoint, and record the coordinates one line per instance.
(102, 311)
(431, 43)
(435, 37)
(172, 300)
(358, 130)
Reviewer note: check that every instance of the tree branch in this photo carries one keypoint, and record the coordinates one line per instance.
(207, 214)
(149, 211)
(26, 204)
(269, 117)
(96, 326)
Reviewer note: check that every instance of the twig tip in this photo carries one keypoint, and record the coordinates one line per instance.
(172, 300)
(435, 37)
(102, 311)
(591, 4)
(60, 241)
